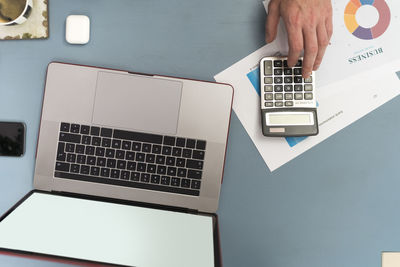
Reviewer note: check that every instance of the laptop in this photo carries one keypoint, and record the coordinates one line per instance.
(128, 170)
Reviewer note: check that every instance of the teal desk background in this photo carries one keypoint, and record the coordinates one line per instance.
(335, 205)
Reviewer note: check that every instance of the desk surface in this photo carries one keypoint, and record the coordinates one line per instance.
(335, 205)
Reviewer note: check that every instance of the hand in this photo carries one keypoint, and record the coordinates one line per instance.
(309, 27)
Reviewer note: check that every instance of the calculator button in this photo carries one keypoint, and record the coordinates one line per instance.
(269, 104)
(268, 88)
(278, 63)
(289, 104)
(268, 80)
(268, 67)
(298, 87)
(288, 96)
(279, 104)
(298, 79)
(278, 80)
(287, 71)
(278, 71)
(278, 88)
(288, 79)
(308, 96)
(278, 96)
(297, 71)
(298, 96)
(308, 87)
(288, 88)
(308, 80)
(269, 96)
(299, 63)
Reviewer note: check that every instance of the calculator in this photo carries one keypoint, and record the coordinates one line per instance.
(288, 104)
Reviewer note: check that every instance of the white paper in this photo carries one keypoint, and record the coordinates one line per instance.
(345, 91)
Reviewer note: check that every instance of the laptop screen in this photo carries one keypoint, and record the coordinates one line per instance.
(108, 232)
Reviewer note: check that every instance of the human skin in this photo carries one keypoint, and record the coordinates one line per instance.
(309, 27)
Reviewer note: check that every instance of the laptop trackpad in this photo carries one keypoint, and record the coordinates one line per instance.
(137, 102)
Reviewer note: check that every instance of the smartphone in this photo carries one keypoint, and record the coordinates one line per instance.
(12, 139)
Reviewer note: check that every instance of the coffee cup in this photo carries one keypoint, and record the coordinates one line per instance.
(14, 12)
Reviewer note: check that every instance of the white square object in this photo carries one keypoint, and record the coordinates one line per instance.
(77, 29)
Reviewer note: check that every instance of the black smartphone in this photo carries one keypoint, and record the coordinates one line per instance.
(12, 139)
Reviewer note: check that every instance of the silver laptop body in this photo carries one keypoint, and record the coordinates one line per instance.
(152, 107)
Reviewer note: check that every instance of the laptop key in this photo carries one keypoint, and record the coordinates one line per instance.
(101, 162)
(105, 172)
(151, 168)
(62, 166)
(106, 132)
(171, 171)
(135, 176)
(94, 170)
(185, 183)
(161, 169)
(181, 142)
(187, 153)
(169, 140)
(91, 160)
(196, 184)
(71, 158)
(140, 157)
(75, 128)
(136, 146)
(106, 142)
(131, 165)
(81, 159)
(201, 145)
(160, 159)
(111, 163)
(165, 180)
(181, 172)
(196, 174)
(150, 158)
(121, 164)
(115, 174)
(95, 130)
(175, 181)
(116, 143)
(61, 156)
(80, 149)
(155, 179)
(125, 175)
(89, 150)
(146, 148)
(64, 127)
(126, 145)
(156, 149)
(166, 150)
(180, 162)
(190, 143)
(177, 152)
(86, 139)
(145, 177)
(141, 167)
(198, 154)
(130, 155)
(110, 153)
(120, 154)
(100, 151)
(85, 169)
(85, 129)
(74, 168)
(194, 164)
(70, 138)
(170, 161)
(139, 137)
(96, 141)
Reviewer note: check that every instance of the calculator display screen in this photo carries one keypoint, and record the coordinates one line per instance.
(289, 118)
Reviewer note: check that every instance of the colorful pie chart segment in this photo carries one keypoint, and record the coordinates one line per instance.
(367, 33)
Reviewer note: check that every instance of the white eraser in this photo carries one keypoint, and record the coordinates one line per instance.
(77, 29)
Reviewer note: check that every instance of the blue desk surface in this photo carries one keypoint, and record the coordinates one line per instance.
(335, 205)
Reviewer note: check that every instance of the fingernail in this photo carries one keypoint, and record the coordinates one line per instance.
(316, 67)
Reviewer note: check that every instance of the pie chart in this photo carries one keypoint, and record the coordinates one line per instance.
(367, 33)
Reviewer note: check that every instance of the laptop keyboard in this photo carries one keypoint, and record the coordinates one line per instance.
(132, 159)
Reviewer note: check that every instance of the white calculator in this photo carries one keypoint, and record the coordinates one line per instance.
(288, 105)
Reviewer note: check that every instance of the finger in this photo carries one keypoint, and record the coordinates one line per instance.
(272, 21)
(295, 39)
(329, 27)
(323, 42)
(310, 50)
